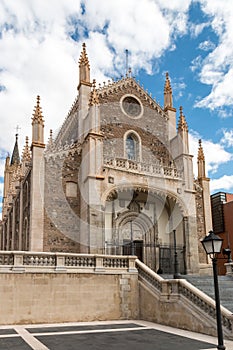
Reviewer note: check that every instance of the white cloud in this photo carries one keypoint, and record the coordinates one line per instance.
(225, 183)
(222, 93)
(206, 45)
(1, 189)
(196, 29)
(227, 138)
(196, 63)
(217, 69)
(178, 87)
(146, 28)
(2, 165)
(215, 154)
(38, 56)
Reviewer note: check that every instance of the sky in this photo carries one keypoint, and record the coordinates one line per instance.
(40, 44)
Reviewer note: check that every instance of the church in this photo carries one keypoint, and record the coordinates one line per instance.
(117, 179)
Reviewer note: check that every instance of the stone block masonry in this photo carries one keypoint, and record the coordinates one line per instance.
(52, 288)
(65, 297)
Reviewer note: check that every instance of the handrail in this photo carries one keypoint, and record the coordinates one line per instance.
(150, 276)
(36, 261)
(181, 287)
(155, 169)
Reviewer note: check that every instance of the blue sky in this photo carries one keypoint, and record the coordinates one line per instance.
(40, 43)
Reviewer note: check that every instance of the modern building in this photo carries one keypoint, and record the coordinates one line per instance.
(116, 179)
(222, 216)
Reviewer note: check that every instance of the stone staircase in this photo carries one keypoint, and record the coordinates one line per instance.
(206, 285)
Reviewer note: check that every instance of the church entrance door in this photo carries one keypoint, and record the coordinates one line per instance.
(133, 248)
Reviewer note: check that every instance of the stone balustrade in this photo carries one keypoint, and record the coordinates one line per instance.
(176, 290)
(155, 169)
(23, 261)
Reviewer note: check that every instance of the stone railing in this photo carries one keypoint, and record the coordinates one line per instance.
(205, 303)
(177, 289)
(23, 261)
(156, 169)
(149, 276)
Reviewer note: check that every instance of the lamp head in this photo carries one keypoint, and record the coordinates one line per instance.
(212, 244)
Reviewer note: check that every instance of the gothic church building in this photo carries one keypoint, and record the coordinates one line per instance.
(117, 179)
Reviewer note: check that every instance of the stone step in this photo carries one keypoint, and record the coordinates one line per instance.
(206, 285)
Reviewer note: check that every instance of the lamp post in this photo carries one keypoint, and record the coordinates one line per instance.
(176, 264)
(212, 245)
(131, 238)
(227, 252)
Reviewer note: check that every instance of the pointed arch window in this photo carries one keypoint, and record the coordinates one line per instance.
(132, 147)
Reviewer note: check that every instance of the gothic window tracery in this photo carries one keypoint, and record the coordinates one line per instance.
(132, 147)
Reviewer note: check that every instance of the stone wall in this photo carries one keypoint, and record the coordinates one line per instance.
(67, 297)
(62, 212)
(172, 312)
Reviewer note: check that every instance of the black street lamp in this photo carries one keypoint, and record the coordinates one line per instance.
(176, 263)
(213, 245)
(131, 238)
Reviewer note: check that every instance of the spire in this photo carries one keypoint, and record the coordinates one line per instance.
(37, 115)
(50, 142)
(201, 161)
(84, 68)
(15, 155)
(50, 136)
(26, 156)
(201, 156)
(37, 124)
(182, 124)
(167, 93)
(94, 98)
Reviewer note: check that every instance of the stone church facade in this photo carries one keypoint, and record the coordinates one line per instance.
(117, 179)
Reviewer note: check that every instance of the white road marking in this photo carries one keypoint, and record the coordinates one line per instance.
(30, 339)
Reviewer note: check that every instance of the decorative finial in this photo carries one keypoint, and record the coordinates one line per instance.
(84, 67)
(94, 98)
(201, 161)
(26, 156)
(15, 159)
(50, 140)
(83, 60)
(182, 124)
(201, 155)
(167, 93)
(167, 86)
(37, 116)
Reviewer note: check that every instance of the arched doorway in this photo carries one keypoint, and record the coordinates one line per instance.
(134, 235)
(141, 222)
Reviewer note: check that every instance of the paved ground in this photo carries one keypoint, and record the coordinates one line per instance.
(125, 335)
